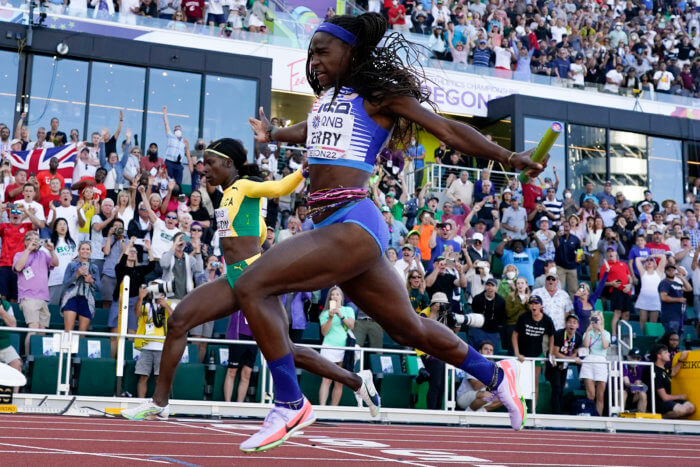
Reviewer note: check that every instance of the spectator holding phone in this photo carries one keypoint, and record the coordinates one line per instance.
(115, 243)
(594, 370)
(82, 279)
(565, 344)
(32, 267)
(336, 322)
(180, 268)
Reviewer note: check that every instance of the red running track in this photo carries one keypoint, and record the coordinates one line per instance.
(67, 441)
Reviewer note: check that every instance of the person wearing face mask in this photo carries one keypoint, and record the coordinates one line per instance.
(569, 204)
(177, 153)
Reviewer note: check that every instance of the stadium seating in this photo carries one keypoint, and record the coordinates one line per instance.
(310, 384)
(312, 334)
(94, 369)
(43, 366)
(418, 391)
(654, 329)
(189, 378)
(395, 385)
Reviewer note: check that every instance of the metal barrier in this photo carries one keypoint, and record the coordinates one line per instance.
(436, 172)
(65, 345)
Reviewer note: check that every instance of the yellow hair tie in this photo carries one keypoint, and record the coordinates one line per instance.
(218, 153)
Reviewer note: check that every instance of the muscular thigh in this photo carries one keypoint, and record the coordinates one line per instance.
(312, 260)
(381, 294)
(207, 302)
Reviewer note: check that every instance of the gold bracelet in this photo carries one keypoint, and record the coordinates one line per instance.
(510, 157)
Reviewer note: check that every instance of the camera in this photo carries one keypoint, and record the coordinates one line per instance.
(594, 320)
(160, 288)
(200, 146)
(119, 231)
(215, 264)
(474, 320)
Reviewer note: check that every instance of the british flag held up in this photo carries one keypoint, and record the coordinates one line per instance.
(36, 160)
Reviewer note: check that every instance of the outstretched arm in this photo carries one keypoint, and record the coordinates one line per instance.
(271, 189)
(459, 136)
(165, 120)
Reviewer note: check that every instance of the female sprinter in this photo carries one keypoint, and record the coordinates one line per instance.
(240, 227)
(368, 98)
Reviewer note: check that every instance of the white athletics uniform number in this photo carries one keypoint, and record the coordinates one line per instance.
(223, 224)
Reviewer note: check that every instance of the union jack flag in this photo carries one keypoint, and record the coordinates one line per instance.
(36, 160)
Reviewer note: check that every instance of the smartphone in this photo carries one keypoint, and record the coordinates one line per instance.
(12, 206)
(182, 198)
(332, 305)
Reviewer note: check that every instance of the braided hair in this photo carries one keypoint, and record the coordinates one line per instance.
(234, 150)
(378, 72)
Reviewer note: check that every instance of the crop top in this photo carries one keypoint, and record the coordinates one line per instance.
(340, 132)
(238, 214)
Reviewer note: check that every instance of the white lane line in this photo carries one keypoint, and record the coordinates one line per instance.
(324, 448)
(81, 453)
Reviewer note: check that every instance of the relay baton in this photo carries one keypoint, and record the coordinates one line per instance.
(543, 147)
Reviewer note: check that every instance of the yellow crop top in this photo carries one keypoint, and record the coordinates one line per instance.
(238, 214)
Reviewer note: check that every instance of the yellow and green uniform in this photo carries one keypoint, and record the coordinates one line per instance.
(238, 214)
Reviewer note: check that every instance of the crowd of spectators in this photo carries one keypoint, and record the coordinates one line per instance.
(619, 46)
(630, 47)
(535, 269)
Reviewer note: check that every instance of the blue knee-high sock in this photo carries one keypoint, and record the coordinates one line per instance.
(284, 376)
(481, 368)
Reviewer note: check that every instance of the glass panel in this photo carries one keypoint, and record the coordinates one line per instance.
(58, 90)
(180, 92)
(665, 168)
(228, 103)
(628, 163)
(693, 167)
(586, 162)
(114, 88)
(535, 129)
(8, 87)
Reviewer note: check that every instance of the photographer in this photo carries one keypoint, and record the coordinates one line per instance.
(594, 370)
(493, 307)
(82, 280)
(180, 268)
(128, 265)
(114, 245)
(435, 369)
(153, 314)
(472, 394)
(447, 277)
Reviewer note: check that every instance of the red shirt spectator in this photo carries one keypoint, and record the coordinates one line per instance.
(657, 248)
(618, 271)
(12, 240)
(11, 199)
(44, 177)
(194, 10)
(530, 194)
(397, 15)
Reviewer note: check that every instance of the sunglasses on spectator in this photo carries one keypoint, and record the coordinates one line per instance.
(142, 209)
(171, 217)
(196, 230)
(416, 277)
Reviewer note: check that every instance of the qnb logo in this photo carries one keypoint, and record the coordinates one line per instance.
(316, 121)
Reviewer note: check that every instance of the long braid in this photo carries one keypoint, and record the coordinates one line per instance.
(381, 68)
